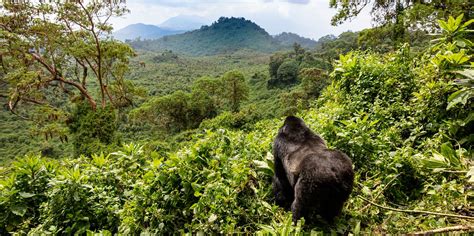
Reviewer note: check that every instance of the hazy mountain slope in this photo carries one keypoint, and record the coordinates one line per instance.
(184, 22)
(224, 35)
(143, 31)
(288, 39)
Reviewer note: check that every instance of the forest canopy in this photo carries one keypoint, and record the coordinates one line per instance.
(107, 137)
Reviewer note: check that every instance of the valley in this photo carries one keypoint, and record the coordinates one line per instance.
(170, 128)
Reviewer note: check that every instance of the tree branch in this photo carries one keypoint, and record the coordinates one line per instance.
(110, 97)
(416, 211)
(446, 229)
(58, 77)
(383, 190)
(99, 53)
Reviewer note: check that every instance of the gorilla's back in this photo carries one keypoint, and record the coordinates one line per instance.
(329, 167)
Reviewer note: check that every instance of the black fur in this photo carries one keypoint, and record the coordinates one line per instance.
(309, 177)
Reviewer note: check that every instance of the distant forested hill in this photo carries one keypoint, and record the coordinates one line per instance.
(289, 39)
(223, 36)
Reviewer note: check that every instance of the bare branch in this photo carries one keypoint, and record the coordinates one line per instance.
(58, 77)
(417, 211)
(457, 228)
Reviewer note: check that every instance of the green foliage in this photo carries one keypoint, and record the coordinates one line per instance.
(412, 13)
(404, 119)
(53, 45)
(22, 193)
(288, 72)
(166, 56)
(244, 119)
(54, 54)
(210, 174)
(313, 81)
(92, 131)
(180, 110)
(19, 137)
(235, 89)
(284, 67)
(331, 47)
(400, 21)
(275, 61)
(453, 51)
(39, 196)
(454, 31)
(286, 227)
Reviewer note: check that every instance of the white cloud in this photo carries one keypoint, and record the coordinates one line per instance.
(309, 18)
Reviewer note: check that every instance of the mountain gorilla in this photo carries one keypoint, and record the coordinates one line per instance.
(309, 177)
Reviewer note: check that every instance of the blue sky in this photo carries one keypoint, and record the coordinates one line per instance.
(309, 18)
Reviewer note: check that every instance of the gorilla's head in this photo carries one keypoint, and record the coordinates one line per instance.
(294, 128)
(296, 131)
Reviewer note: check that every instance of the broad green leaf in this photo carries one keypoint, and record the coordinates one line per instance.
(356, 230)
(460, 96)
(448, 152)
(470, 175)
(18, 210)
(436, 161)
(458, 21)
(469, 73)
(467, 23)
(212, 218)
(26, 195)
(263, 166)
(443, 25)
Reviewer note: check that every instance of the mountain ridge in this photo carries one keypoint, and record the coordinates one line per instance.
(143, 31)
(227, 34)
(288, 39)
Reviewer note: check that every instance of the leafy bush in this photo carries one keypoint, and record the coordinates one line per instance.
(243, 119)
(181, 111)
(209, 187)
(92, 131)
(388, 112)
(22, 193)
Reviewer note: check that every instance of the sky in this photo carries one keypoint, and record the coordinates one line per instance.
(308, 18)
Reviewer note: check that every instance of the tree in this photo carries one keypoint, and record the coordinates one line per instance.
(92, 130)
(235, 89)
(59, 51)
(206, 98)
(169, 113)
(385, 11)
(60, 46)
(212, 87)
(180, 110)
(331, 49)
(275, 62)
(313, 81)
(402, 15)
(288, 72)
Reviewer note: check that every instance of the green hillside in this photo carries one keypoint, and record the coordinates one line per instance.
(219, 180)
(99, 138)
(226, 35)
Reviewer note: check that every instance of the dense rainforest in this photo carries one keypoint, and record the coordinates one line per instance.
(174, 135)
